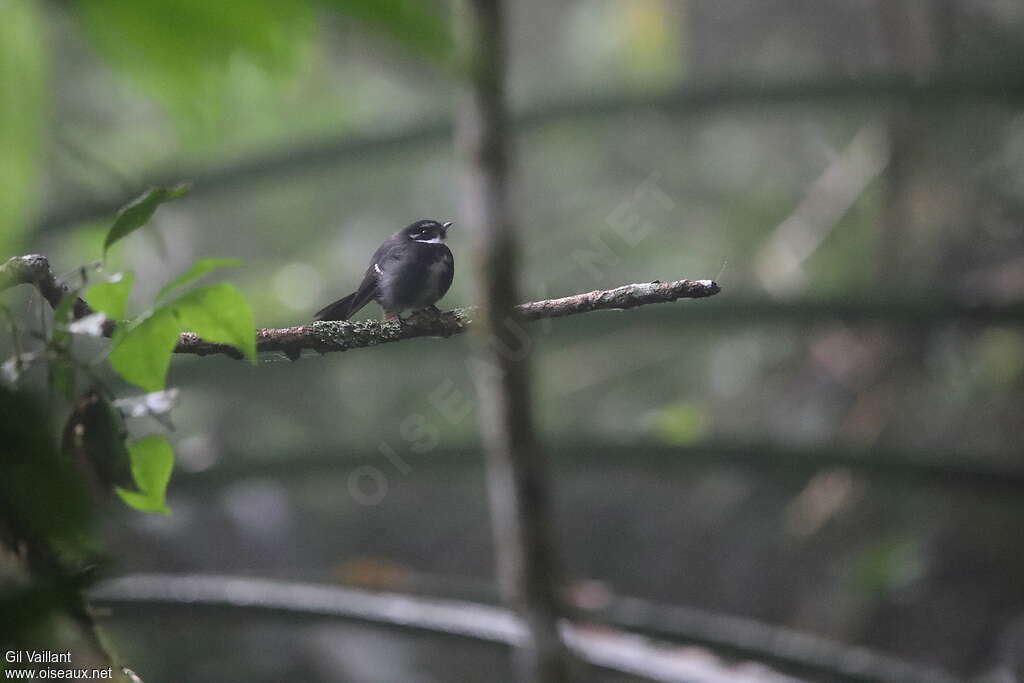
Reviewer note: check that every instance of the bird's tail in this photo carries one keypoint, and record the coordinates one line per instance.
(342, 309)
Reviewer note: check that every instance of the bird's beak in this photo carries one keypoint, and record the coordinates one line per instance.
(447, 225)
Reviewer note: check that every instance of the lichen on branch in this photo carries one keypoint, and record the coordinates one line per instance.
(330, 336)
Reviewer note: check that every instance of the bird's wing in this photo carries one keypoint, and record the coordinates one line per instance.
(384, 259)
(386, 256)
(449, 274)
(367, 290)
(345, 308)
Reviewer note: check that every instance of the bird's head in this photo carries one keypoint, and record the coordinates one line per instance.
(428, 232)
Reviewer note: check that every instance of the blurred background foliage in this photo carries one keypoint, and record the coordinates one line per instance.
(314, 129)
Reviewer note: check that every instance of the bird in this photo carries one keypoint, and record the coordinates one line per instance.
(411, 270)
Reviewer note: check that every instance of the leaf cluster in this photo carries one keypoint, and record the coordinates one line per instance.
(96, 438)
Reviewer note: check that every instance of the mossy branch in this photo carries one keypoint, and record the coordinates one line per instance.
(326, 337)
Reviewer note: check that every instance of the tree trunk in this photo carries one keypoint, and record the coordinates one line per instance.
(525, 557)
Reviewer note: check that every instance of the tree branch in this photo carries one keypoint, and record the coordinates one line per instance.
(693, 99)
(326, 337)
(34, 269)
(949, 471)
(603, 648)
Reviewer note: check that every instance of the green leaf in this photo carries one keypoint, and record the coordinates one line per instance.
(62, 376)
(219, 313)
(62, 318)
(23, 84)
(109, 297)
(196, 271)
(60, 369)
(142, 352)
(417, 24)
(180, 51)
(137, 213)
(152, 461)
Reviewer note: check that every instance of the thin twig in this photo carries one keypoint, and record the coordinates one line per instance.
(325, 337)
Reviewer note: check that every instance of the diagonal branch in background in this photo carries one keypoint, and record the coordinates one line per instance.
(995, 85)
(780, 262)
(621, 649)
(326, 337)
(601, 647)
(990, 475)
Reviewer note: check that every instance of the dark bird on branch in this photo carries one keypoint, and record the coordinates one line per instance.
(412, 270)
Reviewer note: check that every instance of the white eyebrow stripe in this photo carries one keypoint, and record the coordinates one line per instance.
(432, 240)
(377, 268)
